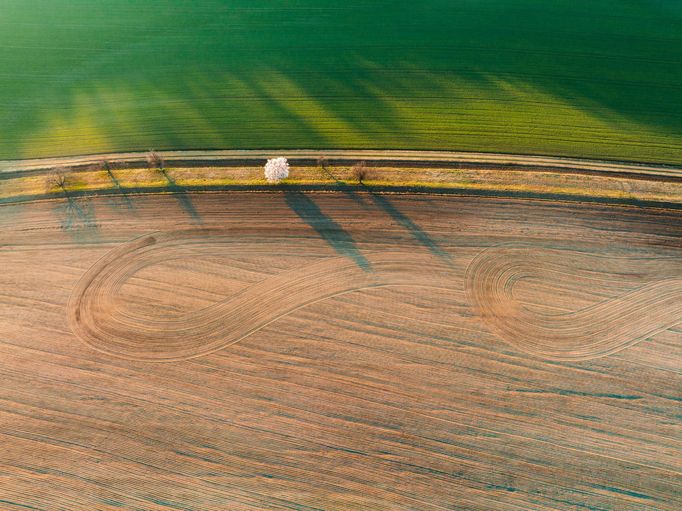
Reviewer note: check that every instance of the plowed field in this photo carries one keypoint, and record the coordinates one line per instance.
(343, 351)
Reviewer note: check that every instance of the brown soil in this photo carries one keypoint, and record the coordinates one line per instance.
(344, 351)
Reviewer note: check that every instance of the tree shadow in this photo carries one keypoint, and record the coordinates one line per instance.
(120, 190)
(343, 187)
(180, 193)
(77, 217)
(417, 232)
(331, 232)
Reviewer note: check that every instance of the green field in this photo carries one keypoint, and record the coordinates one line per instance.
(598, 78)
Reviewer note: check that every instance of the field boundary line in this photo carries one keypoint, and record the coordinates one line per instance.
(421, 158)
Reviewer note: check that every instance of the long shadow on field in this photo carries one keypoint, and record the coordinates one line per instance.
(326, 227)
(77, 217)
(417, 232)
(345, 188)
(180, 193)
(120, 190)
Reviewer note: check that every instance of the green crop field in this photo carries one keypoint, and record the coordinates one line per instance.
(591, 78)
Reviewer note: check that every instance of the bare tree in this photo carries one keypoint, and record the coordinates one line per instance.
(360, 171)
(77, 211)
(155, 161)
(57, 179)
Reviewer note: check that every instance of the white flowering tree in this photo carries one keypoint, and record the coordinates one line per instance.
(276, 169)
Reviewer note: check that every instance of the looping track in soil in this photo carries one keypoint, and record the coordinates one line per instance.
(99, 320)
(602, 328)
(594, 331)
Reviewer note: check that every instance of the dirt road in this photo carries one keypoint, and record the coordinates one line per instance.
(409, 157)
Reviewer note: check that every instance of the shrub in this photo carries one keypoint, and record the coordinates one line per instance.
(276, 169)
(360, 171)
(155, 161)
(57, 179)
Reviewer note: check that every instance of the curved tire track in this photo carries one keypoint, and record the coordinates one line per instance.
(594, 331)
(98, 319)
(96, 316)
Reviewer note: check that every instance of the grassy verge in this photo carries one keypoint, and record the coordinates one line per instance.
(385, 178)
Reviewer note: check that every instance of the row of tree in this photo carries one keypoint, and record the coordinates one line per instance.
(276, 169)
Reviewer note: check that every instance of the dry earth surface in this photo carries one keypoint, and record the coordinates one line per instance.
(346, 351)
